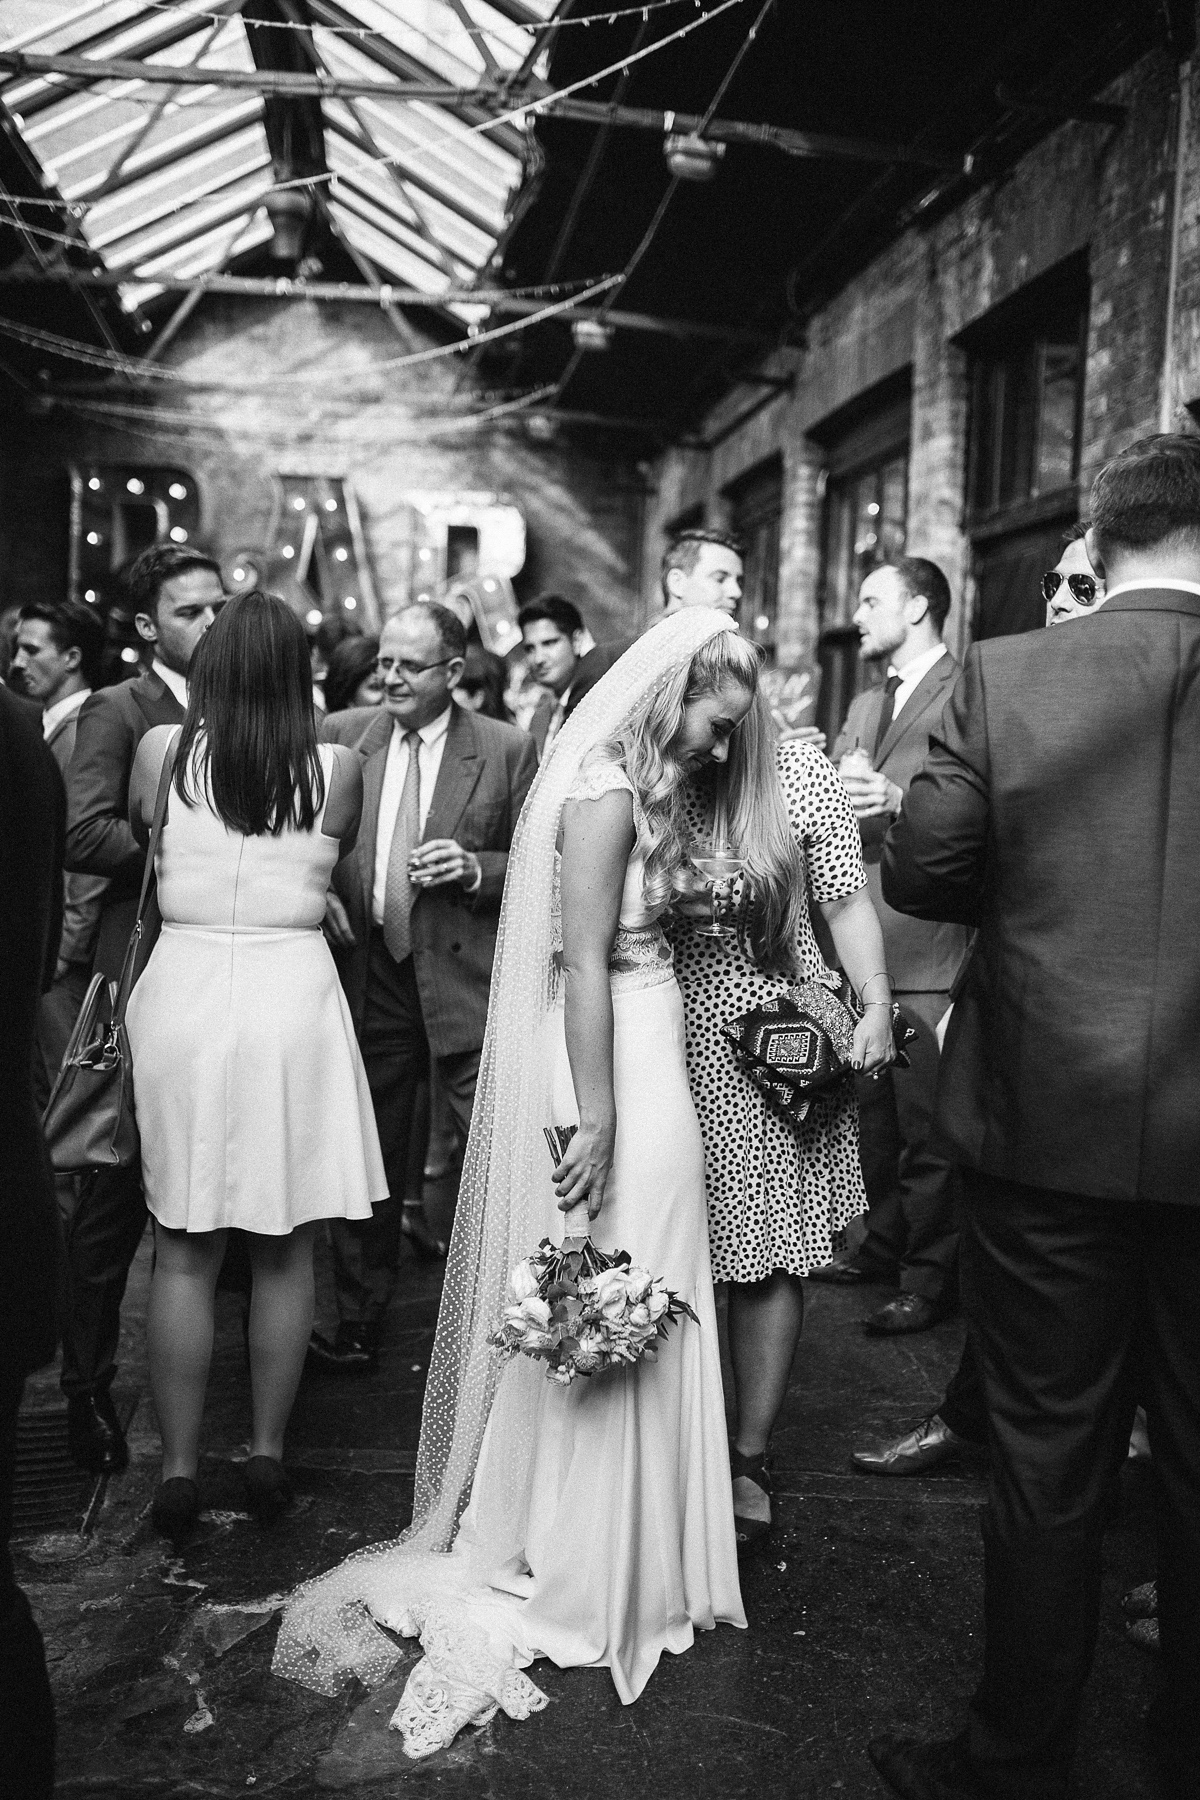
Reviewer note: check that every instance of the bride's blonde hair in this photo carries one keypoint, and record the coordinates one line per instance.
(759, 829)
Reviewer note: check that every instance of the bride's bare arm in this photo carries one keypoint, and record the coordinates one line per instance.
(598, 836)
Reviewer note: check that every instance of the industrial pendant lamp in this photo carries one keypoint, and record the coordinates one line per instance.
(289, 210)
(690, 157)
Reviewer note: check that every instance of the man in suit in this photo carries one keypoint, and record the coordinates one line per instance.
(1059, 815)
(958, 1426)
(56, 662)
(413, 916)
(553, 636)
(699, 568)
(32, 811)
(912, 1229)
(175, 592)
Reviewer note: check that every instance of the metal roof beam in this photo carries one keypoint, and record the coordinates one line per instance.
(388, 294)
(189, 25)
(284, 84)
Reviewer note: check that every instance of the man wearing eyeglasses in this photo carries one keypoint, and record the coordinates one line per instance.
(412, 918)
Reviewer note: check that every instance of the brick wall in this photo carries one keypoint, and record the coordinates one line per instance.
(1107, 190)
(392, 433)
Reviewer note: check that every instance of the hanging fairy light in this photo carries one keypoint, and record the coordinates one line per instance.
(691, 157)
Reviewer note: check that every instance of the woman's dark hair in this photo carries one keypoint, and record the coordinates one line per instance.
(485, 674)
(249, 735)
(349, 667)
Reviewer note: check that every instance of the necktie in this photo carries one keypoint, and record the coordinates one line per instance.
(398, 894)
(555, 725)
(887, 712)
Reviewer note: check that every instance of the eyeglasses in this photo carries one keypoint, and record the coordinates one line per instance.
(1084, 587)
(410, 670)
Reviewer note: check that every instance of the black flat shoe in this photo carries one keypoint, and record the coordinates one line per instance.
(750, 1533)
(268, 1488)
(94, 1436)
(175, 1509)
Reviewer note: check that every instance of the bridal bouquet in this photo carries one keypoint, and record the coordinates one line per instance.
(579, 1310)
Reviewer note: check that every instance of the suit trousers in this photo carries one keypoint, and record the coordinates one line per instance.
(26, 1705)
(396, 1055)
(912, 1191)
(1075, 1307)
(101, 1235)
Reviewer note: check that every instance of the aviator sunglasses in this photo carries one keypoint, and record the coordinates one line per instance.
(1084, 587)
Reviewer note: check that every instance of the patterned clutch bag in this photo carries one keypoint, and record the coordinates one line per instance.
(795, 1047)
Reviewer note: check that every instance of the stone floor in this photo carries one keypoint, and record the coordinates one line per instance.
(864, 1615)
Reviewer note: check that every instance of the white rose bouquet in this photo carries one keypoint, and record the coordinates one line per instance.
(580, 1310)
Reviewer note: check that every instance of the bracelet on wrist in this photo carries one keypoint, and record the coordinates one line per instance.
(868, 1004)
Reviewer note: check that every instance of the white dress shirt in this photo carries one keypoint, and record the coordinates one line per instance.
(176, 683)
(429, 755)
(1126, 587)
(913, 672)
(54, 715)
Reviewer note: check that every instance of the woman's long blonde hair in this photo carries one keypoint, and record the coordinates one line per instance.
(759, 829)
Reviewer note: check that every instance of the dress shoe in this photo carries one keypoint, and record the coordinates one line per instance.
(421, 1240)
(849, 1271)
(905, 1314)
(931, 1443)
(353, 1351)
(268, 1488)
(176, 1508)
(926, 1771)
(94, 1436)
(750, 1533)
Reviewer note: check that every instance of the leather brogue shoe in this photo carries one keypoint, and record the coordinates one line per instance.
(926, 1771)
(421, 1240)
(353, 1351)
(905, 1314)
(94, 1436)
(849, 1271)
(931, 1443)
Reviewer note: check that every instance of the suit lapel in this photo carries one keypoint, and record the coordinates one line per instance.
(923, 696)
(460, 770)
(373, 768)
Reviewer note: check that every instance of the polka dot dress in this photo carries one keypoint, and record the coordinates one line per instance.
(778, 1197)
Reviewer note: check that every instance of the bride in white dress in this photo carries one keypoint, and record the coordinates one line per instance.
(590, 1524)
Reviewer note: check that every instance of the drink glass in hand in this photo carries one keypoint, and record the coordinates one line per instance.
(856, 762)
(720, 868)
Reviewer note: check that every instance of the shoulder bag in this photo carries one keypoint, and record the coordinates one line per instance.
(89, 1121)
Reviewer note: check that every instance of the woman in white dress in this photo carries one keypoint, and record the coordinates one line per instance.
(590, 1524)
(251, 1099)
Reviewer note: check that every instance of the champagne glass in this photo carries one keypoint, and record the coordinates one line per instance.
(720, 868)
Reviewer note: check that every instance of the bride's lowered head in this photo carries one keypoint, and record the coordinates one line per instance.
(708, 725)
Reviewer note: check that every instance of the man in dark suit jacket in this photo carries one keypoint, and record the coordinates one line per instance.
(174, 593)
(911, 1188)
(57, 662)
(552, 636)
(413, 920)
(32, 809)
(1059, 815)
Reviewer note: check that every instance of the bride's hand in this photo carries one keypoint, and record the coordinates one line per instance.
(873, 1045)
(584, 1170)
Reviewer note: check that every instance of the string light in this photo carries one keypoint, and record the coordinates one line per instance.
(612, 17)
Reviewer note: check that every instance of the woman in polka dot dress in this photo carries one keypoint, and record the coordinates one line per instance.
(779, 1197)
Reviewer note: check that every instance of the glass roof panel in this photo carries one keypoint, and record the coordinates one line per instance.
(160, 174)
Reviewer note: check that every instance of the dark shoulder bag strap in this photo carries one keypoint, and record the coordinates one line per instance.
(125, 988)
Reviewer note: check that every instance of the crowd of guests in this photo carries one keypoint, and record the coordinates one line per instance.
(1007, 851)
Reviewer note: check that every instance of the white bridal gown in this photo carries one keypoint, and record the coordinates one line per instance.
(627, 1547)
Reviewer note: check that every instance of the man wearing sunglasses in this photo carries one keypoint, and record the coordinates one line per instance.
(412, 918)
(1074, 587)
